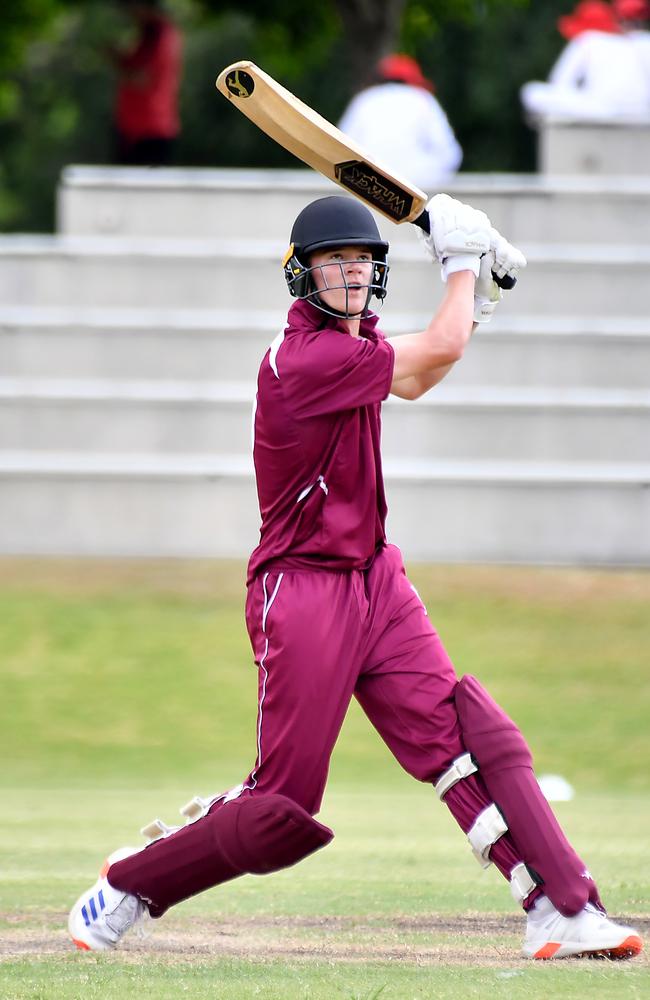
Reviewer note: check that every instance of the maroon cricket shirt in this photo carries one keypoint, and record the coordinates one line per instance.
(317, 430)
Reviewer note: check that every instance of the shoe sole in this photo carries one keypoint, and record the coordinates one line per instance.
(631, 946)
(81, 945)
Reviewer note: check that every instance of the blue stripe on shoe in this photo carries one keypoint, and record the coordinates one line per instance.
(84, 914)
(93, 908)
(100, 897)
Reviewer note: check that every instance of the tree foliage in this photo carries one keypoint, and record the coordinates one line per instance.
(56, 86)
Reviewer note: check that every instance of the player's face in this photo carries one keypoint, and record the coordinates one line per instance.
(341, 276)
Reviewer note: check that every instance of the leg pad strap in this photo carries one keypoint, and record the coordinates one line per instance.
(157, 829)
(522, 882)
(488, 826)
(460, 768)
(195, 809)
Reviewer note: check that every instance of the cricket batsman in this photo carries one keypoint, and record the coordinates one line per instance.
(331, 613)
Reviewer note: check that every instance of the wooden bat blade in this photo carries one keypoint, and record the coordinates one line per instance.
(318, 143)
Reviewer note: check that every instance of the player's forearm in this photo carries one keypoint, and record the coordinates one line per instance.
(417, 385)
(445, 338)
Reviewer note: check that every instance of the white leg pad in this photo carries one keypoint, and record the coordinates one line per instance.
(488, 826)
(522, 882)
(461, 767)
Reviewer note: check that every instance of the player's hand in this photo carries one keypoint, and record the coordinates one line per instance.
(502, 259)
(508, 260)
(487, 293)
(459, 235)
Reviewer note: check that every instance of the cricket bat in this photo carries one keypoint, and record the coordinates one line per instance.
(319, 144)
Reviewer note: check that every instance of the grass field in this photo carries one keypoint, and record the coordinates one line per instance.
(127, 688)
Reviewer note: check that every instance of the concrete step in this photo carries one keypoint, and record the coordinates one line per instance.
(230, 204)
(93, 271)
(108, 342)
(215, 418)
(594, 352)
(84, 504)
(619, 146)
(209, 344)
(531, 513)
(448, 511)
(520, 425)
(130, 416)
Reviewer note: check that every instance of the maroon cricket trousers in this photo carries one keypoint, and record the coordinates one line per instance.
(320, 638)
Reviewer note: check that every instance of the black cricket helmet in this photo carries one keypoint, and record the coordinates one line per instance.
(335, 221)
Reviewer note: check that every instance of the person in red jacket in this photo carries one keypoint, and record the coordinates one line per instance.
(146, 107)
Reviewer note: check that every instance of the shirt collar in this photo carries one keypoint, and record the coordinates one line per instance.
(303, 315)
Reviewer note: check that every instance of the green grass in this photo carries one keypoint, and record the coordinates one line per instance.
(379, 907)
(290, 981)
(128, 687)
(165, 647)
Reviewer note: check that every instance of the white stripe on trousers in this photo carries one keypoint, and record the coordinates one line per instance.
(268, 601)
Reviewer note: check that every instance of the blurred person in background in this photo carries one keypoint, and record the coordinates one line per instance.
(633, 17)
(401, 124)
(596, 76)
(146, 105)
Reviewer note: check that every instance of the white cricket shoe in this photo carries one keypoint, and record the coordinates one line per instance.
(102, 914)
(590, 934)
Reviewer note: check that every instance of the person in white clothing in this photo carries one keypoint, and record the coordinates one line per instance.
(633, 17)
(597, 76)
(402, 125)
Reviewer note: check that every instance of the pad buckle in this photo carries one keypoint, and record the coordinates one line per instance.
(195, 809)
(461, 767)
(156, 830)
(488, 826)
(522, 882)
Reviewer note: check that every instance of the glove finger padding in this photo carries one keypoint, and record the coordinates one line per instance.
(508, 260)
(455, 228)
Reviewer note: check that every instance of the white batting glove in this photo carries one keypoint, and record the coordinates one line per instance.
(459, 235)
(487, 293)
(508, 260)
(502, 259)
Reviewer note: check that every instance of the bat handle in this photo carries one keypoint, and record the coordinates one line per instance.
(506, 282)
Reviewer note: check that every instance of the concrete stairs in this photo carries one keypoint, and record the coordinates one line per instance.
(168, 273)
(604, 146)
(233, 204)
(130, 343)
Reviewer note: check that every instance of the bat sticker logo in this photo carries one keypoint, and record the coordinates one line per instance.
(368, 183)
(240, 84)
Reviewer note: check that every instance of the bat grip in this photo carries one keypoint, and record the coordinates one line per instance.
(506, 282)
